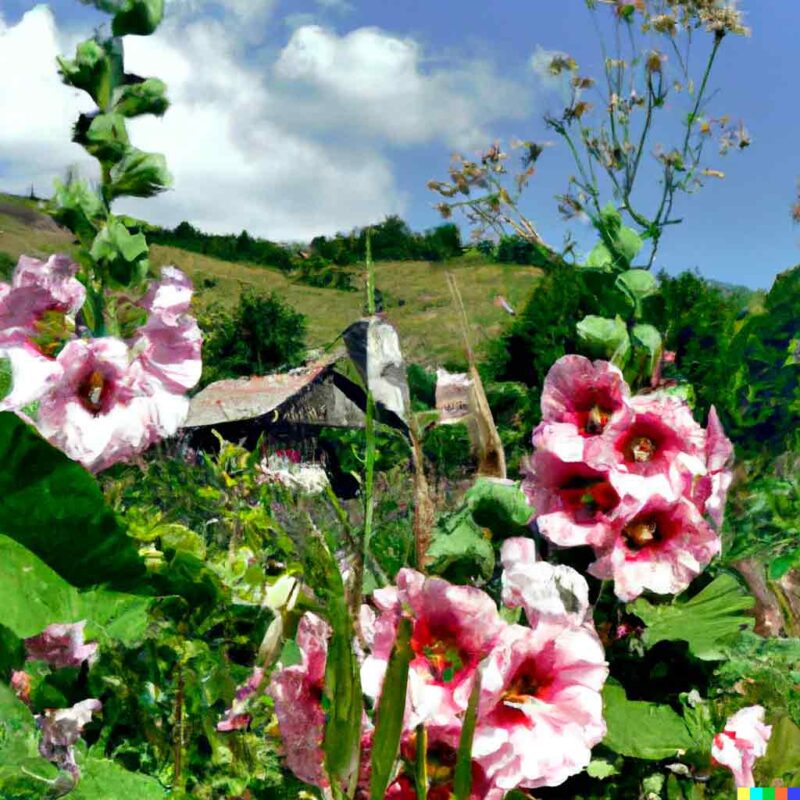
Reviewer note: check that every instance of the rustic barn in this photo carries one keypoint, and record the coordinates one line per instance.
(288, 409)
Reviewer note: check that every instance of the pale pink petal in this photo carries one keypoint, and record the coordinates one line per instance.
(61, 728)
(742, 741)
(236, 717)
(56, 276)
(171, 296)
(61, 645)
(32, 375)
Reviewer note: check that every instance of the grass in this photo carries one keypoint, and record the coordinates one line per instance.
(415, 294)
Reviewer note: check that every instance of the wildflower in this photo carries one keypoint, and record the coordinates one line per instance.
(540, 710)
(711, 490)
(106, 407)
(61, 646)
(61, 728)
(743, 740)
(662, 546)
(21, 684)
(297, 692)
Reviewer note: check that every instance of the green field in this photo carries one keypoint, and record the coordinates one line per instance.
(416, 296)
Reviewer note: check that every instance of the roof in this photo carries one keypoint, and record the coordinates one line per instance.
(249, 398)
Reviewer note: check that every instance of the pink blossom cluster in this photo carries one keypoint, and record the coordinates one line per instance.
(100, 400)
(635, 478)
(743, 740)
(539, 708)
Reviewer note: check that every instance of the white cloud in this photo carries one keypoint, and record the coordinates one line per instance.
(290, 151)
(38, 110)
(372, 83)
(339, 6)
(540, 64)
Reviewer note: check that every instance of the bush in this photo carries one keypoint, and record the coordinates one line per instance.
(7, 264)
(261, 335)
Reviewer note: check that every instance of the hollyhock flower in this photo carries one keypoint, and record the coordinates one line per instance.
(454, 628)
(743, 739)
(588, 395)
(540, 710)
(236, 717)
(61, 646)
(297, 692)
(575, 503)
(170, 342)
(711, 489)
(61, 728)
(42, 299)
(662, 547)
(106, 408)
(662, 436)
(545, 591)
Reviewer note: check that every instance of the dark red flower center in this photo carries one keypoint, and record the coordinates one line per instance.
(588, 496)
(642, 443)
(94, 392)
(440, 649)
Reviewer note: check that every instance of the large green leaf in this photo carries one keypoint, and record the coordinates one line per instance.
(54, 507)
(782, 759)
(138, 17)
(102, 135)
(102, 779)
(139, 174)
(390, 711)
(640, 729)
(500, 506)
(121, 254)
(141, 97)
(96, 69)
(709, 622)
(602, 337)
(32, 596)
(459, 550)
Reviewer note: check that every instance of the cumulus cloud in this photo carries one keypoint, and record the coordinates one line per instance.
(371, 83)
(299, 148)
(38, 110)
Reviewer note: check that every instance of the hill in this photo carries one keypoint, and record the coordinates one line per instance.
(415, 294)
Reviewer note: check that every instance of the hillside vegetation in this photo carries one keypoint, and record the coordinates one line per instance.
(415, 294)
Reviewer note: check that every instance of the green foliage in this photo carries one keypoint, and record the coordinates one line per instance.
(448, 449)
(390, 711)
(642, 730)
(710, 621)
(421, 387)
(7, 265)
(54, 508)
(261, 335)
(462, 782)
(318, 271)
(782, 759)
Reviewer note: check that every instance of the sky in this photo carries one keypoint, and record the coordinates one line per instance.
(293, 118)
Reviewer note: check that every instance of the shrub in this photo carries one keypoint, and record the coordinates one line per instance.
(262, 334)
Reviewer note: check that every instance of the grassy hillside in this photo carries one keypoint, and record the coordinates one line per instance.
(416, 297)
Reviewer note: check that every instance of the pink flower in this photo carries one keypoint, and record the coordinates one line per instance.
(742, 741)
(32, 375)
(541, 710)
(588, 395)
(662, 546)
(547, 592)
(21, 684)
(662, 436)
(236, 717)
(61, 646)
(712, 489)
(574, 503)
(455, 627)
(61, 728)
(170, 342)
(297, 692)
(106, 408)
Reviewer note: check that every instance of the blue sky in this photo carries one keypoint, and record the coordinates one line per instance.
(294, 118)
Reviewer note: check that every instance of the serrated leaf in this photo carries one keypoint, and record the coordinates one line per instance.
(709, 622)
(642, 730)
(54, 507)
(104, 136)
(121, 254)
(96, 69)
(138, 17)
(139, 174)
(390, 711)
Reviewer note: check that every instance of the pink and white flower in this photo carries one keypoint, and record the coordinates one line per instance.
(61, 728)
(540, 710)
(588, 395)
(545, 591)
(297, 692)
(169, 344)
(454, 628)
(711, 490)
(61, 645)
(662, 546)
(743, 740)
(237, 717)
(106, 408)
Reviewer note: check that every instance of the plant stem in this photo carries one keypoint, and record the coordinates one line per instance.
(178, 743)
